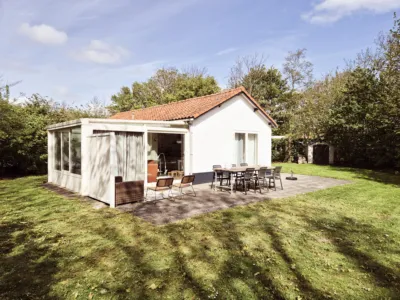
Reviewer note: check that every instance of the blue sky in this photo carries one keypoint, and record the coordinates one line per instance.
(77, 49)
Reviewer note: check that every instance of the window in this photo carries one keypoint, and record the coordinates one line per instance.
(240, 155)
(57, 151)
(252, 149)
(246, 148)
(65, 151)
(76, 150)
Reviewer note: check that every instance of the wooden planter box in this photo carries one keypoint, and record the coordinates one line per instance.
(128, 191)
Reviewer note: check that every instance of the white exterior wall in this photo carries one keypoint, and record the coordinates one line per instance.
(213, 134)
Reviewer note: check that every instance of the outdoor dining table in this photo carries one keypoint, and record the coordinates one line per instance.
(232, 171)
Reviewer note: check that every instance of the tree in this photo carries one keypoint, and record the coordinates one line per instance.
(266, 85)
(23, 134)
(165, 86)
(357, 110)
(390, 76)
(355, 123)
(314, 105)
(95, 109)
(242, 68)
(4, 92)
(298, 70)
(11, 125)
(5, 89)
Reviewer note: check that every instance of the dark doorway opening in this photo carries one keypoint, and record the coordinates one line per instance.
(321, 154)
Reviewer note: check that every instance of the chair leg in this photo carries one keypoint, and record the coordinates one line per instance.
(194, 192)
(267, 185)
(272, 183)
(281, 182)
(155, 195)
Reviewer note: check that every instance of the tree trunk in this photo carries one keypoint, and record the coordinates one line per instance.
(288, 150)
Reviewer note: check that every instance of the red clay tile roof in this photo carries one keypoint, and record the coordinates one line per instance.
(187, 109)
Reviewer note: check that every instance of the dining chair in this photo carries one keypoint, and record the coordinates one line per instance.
(276, 174)
(221, 176)
(163, 184)
(186, 182)
(262, 176)
(247, 179)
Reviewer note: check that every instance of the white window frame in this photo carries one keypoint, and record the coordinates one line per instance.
(62, 132)
(246, 143)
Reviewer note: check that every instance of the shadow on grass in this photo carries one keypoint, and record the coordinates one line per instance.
(239, 267)
(127, 246)
(305, 285)
(258, 282)
(133, 256)
(347, 235)
(374, 175)
(27, 274)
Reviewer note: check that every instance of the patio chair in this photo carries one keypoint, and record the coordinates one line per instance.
(262, 176)
(248, 179)
(244, 164)
(276, 174)
(186, 182)
(163, 184)
(221, 176)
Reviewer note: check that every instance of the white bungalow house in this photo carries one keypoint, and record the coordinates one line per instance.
(186, 137)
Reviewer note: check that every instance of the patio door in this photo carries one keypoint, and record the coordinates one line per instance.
(252, 149)
(240, 148)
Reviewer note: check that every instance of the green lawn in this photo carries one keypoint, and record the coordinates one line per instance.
(339, 243)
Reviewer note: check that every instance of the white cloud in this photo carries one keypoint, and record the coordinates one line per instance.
(43, 33)
(226, 51)
(102, 53)
(329, 11)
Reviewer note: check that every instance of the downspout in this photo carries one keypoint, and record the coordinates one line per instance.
(190, 124)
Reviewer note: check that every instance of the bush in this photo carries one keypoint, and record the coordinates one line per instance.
(281, 152)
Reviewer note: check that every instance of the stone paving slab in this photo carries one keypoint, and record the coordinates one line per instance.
(173, 209)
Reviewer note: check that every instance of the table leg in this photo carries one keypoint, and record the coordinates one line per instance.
(231, 176)
(215, 181)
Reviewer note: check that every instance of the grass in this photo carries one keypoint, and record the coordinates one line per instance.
(339, 243)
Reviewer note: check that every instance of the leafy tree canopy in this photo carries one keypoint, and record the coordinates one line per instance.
(165, 86)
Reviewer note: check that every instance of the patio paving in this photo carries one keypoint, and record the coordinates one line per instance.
(170, 210)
